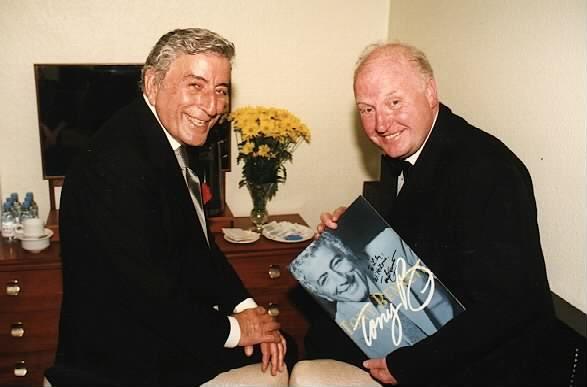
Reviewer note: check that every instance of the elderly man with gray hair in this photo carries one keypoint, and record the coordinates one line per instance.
(149, 299)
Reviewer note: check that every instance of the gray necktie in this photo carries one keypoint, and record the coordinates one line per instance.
(193, 183)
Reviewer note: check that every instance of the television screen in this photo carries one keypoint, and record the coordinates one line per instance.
(73, 101)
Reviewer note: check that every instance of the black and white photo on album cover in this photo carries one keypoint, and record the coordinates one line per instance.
(373, 285)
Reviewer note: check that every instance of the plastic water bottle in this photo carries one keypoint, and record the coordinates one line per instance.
(8, 222)
(25, 211)
(8, 202)
(15, 207)
(34, 207)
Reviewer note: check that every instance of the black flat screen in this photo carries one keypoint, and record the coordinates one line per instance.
(73, 101)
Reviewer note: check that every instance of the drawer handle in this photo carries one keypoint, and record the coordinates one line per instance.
(13, 288)
(274, 271)
(273, 310)
(20, 369)
(17, 329)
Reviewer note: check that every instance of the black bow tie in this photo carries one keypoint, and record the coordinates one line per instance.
(397, 166)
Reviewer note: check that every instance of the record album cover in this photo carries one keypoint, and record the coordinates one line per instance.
(374, 286)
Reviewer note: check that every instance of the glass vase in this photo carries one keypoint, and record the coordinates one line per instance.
(260, 195)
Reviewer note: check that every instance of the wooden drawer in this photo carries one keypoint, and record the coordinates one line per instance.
(254, 272)
(266, 296)
(29, 283)
(280, 300)
(30, 290)
(32, 304)
(25, 369)
(28, 331)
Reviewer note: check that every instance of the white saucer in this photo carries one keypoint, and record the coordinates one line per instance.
(239, 235)
(228, 239)
(48, 234)
(287, 232)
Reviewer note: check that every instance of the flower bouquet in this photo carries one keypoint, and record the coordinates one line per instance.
(266, 139)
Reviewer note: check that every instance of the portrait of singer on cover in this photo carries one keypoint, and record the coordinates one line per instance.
(378, 309)
(464, 202)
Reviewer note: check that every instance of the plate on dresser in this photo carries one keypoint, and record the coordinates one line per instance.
(238, 235)
(287, 232)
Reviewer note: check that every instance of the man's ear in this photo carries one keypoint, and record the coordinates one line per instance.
(431, 92)
(151, 86)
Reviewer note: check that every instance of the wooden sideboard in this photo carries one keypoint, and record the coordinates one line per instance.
(31, 294)
(30, 299)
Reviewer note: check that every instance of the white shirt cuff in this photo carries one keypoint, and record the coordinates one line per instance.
(234, 335)
(247, 303)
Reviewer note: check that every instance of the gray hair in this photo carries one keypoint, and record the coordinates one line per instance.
(398, 49)
(303, 263)
(188, 41)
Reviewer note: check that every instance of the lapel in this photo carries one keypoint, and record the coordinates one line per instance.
(180, 214)
(417, 198)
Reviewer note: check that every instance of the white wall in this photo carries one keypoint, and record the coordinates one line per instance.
(518, 70)
(514, 68)
(297, 55)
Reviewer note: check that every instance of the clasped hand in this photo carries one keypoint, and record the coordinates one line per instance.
(258, 327)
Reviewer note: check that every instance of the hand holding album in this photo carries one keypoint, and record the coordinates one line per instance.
(328, 220)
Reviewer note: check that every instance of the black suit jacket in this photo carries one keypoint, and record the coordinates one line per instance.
(468, 211)
(139, 278)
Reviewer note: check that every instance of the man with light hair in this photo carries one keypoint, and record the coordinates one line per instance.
(465, 204)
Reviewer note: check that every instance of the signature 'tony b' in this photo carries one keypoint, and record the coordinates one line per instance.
(405, 279)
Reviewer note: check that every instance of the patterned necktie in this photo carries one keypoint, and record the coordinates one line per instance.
(193, 183)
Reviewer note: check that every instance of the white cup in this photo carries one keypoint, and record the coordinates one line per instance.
(32, 228)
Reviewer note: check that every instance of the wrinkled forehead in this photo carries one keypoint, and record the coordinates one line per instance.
(386, 75)
(387, 63)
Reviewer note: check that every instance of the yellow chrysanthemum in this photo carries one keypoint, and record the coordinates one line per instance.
(247, 148)
(249, 131)
(264, 151)
(277, 131)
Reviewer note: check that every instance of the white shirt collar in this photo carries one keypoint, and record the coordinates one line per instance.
(172, 141)
(413, 158)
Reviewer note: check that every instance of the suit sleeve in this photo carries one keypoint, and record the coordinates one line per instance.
(502, 274)
(228, 300)
(119, 258)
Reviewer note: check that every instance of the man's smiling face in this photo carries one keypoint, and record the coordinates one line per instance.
(396, 103)
(192, 96)
(336, 275)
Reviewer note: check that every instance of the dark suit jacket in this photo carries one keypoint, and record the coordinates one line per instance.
(139, 278)
(468, 211)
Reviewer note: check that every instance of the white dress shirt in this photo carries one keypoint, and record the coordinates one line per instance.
(413, 158)
(235, 331)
